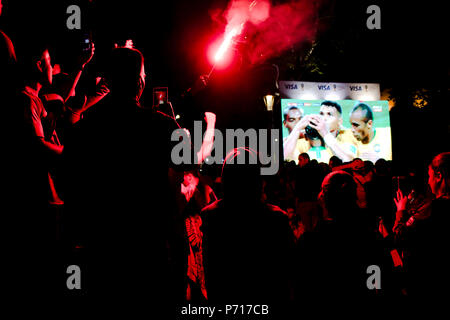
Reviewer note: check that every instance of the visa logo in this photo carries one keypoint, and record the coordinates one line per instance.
(355, 88)
(291, 86)
(323, 87)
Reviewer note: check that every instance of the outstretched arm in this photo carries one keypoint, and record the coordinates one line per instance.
(85, 59)
(208, 138)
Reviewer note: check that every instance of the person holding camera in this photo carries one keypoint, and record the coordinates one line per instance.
(421, 230)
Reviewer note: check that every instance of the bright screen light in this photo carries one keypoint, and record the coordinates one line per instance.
(366, 134)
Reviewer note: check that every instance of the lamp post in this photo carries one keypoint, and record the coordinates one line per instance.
(269, 100)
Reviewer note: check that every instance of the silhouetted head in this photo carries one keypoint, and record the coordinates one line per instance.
(358, 165)
(338, 194)
(439, 175)
(334, 162)
(381, 167)
(241, 176)
(303, 159)
(324, 168)
(36, 65)
(368, 165)
(126, 74)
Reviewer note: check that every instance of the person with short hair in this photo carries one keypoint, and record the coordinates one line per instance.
(372, 143)
(117, 194)
(37, 197)
(41, 144)
(303, 159)
(325, 140)
(292, 115)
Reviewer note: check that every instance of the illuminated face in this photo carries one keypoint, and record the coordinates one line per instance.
(432, 180)
(46, 68)
(189, 179)
(360, 127)
(332, 117)
(302, 160)
(292, 118)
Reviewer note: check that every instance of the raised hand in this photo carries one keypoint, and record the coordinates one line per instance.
(400, 200)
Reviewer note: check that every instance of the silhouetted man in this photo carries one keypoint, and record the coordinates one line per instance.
(247, 243)
(34, 193)
(333, 257)
(117, 187)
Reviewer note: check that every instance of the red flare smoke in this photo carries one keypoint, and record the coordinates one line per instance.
(227, 42)
(238, 13)
(270, 29)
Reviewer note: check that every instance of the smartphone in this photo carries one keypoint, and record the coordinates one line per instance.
(160, 95)
(86, 42)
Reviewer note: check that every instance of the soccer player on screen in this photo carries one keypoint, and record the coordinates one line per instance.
(372, 143)
(328, 123)
(292, 115)
(336, 141)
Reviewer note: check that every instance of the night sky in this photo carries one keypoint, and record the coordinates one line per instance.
(174, 35)
(408, 52)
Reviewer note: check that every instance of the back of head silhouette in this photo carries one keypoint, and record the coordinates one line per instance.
(339, 194)
(241, 176)
(125, 73)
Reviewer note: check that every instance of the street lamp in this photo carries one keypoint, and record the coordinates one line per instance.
(269, 100)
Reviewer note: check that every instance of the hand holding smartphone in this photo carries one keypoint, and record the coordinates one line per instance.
(160, 96)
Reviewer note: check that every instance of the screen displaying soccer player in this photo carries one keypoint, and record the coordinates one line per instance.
(347, 129)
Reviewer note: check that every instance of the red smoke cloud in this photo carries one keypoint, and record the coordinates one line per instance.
(241, 11)
(268, 30)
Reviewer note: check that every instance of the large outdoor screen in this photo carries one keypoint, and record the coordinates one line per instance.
(347, 129)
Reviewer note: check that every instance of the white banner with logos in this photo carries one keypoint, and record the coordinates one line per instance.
(329, 90)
